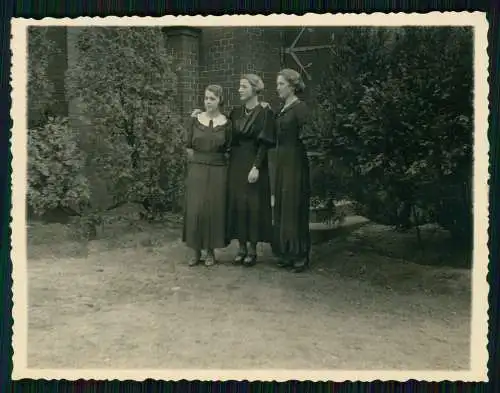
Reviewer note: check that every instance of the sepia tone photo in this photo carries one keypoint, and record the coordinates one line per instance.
(281, 198)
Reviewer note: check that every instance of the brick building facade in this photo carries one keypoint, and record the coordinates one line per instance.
(221, 55)
(213, 55)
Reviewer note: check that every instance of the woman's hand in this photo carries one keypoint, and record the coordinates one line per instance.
(253, 175)
(190, 153)
(196, 112)
(264, 104)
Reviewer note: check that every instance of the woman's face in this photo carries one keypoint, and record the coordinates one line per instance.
(211, 101)
(283, 87)
(246, 90)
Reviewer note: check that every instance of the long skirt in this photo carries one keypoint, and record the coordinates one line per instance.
(291, 209)
(249, 204)
(205, 209)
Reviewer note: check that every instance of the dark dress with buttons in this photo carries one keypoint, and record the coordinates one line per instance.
(292, 186)
(206, 185)
(249, 214)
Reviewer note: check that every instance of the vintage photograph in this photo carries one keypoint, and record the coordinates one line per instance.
(260, 196)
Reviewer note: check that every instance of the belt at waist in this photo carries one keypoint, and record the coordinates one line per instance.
(208, 158)
(247, 145)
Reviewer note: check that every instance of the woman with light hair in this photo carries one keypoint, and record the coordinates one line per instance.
(292, 241)
(249, 214)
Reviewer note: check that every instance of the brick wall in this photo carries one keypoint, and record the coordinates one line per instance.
(229, 52)
(183, 44)
(259, 53)
(217, 60)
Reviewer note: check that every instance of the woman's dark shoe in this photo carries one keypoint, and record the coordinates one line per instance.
(250, 260)
(210, 259)
(300, 265)
(240, 257)
(285, 263)
(195, 259)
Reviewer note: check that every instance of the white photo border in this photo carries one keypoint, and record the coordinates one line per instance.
(480, 287)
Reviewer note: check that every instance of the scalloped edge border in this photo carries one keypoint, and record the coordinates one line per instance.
(477, 19)
(270, 19)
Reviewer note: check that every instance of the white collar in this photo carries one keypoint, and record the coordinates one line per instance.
(289, 104)
(217, 121)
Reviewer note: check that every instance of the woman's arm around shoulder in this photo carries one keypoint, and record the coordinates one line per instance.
(269, 111)
(266, 105)
(231, 114)
(229, 137)
(196, 112)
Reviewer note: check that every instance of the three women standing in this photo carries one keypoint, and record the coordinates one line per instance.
(250, 131)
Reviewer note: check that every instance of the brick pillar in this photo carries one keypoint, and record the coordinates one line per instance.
(183, 43)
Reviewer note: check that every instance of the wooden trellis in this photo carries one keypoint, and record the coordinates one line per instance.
(293, 49)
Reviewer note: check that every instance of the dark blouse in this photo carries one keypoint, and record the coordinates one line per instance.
(211, 145)
(257, 126)
(291, 122)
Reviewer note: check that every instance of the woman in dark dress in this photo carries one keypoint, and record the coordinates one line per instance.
(292, 188)
(249, 193)
(208, 145)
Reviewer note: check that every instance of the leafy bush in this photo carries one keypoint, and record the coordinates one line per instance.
(56, 169)
(40, 89)
(395, 124)
(126, 91)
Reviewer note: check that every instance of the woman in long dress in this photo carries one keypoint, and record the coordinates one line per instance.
(249, 190)
(292, 241)
(208, 145)
(249, 214)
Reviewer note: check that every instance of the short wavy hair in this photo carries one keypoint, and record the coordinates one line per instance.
(294, 79)
(255, 81)
(217, 91)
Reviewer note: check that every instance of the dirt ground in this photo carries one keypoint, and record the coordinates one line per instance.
(128, 300)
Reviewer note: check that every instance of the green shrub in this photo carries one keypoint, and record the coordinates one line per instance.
(56, 177)
(394, 124)
(40, 89)
(125, 89)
